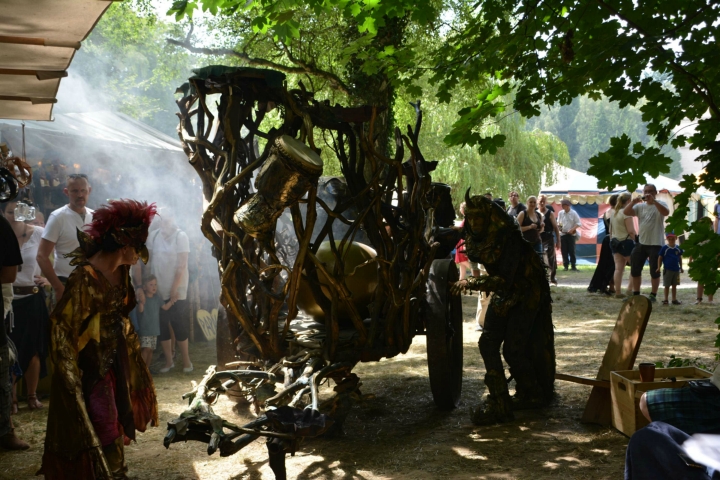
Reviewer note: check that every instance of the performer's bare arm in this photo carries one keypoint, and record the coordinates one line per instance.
(43, 259)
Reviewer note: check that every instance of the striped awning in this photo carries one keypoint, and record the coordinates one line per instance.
(38, 39)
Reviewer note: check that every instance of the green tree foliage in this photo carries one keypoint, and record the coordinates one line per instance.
(127, 59)
(313, 57)
(330, 52)
(283, 22)
(660, 56)
(553, 51)
(526, 159)
(587, 125)
(358, 48)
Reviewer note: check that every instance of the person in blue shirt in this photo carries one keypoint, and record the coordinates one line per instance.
(670, 257)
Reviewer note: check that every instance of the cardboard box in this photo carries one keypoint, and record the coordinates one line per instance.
(626, 390)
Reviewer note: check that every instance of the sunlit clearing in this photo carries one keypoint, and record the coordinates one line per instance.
(584, 330)
(478, 438)
(598, 321)
(469, 454)
(576, 461)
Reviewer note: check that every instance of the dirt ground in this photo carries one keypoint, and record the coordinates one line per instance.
(399, 434)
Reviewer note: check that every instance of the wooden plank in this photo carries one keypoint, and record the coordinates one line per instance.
(582, 380)
(620, 354)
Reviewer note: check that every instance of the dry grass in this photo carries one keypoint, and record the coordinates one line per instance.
(399, 434)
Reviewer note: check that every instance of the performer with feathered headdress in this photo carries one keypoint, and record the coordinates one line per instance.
(101, 391)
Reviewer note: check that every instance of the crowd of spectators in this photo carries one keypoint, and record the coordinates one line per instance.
(658, 450)
(635, 236)
(34, 257)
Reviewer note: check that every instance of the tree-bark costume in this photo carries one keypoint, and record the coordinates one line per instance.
(102, 390)
(519, 316)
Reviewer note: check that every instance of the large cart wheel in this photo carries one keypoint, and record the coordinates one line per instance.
(443, 326)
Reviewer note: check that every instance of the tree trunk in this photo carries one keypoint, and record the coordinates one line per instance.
(376, 89)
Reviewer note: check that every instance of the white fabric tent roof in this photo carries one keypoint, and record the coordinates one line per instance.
(569, 180)
(104, 126)
(582, 188)
(38, 39)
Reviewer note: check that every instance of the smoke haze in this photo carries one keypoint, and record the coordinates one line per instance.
(122, 157)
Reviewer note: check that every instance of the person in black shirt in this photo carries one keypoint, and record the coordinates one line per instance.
(550, 236)
(516, 206)
(10, 258)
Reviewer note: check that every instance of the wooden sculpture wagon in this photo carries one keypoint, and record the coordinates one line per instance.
(317, 273)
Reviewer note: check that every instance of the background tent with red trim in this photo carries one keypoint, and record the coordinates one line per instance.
(590, 202)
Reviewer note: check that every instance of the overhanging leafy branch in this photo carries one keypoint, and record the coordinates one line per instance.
(302, 68)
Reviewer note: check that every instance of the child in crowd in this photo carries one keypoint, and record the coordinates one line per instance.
(670, 257)
(149, 318)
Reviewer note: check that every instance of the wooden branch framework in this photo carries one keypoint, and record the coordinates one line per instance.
(393, 213)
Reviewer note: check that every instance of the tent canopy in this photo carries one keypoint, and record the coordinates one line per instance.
(38, 40)
(582, 188)
(105, 126)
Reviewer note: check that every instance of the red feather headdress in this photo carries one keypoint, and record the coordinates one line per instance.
(121, 222)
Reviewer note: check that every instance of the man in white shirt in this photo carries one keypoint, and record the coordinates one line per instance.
(169, 248)
(651, 222)
(61, 232)
(568, 222)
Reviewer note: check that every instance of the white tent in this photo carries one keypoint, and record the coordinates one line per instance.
(579, 187)
(582, 188)
(103, 127)
(123, 157)
(38, 40)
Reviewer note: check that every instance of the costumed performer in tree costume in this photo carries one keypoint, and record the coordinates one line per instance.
(519, 316)
(102, 390)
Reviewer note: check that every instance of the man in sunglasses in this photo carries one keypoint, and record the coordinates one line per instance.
(61, 232)
(516, 206)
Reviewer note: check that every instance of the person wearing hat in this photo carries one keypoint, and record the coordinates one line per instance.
(568, 222)
(670, 257)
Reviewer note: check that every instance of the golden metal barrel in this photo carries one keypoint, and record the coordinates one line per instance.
(287, 175)
(360, 275)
